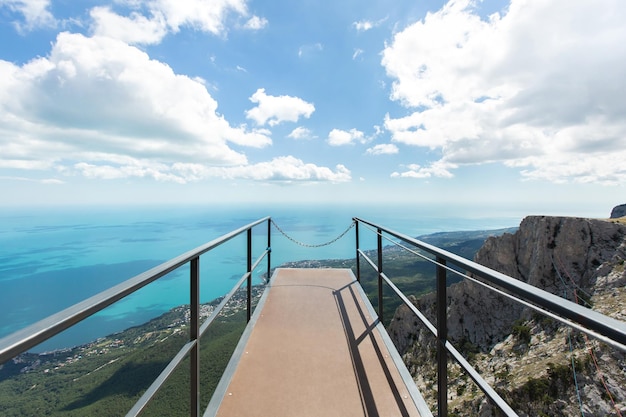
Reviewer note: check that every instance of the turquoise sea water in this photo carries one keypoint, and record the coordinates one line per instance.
(53, 258)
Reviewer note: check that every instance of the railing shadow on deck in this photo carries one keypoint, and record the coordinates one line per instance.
(354, 340)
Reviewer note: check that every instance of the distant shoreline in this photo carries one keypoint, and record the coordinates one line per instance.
(312, 262)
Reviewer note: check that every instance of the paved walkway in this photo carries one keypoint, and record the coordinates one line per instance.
(315, 350)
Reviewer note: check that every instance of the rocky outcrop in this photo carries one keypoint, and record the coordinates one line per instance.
(551, 253)
(618, 211)
(557, 254)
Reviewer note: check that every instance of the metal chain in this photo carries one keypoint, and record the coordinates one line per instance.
(309, 245)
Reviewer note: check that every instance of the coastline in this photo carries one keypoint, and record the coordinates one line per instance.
(55, 261)
(173, 322)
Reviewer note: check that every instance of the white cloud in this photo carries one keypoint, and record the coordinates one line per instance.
(137, 169)
(169, 16)
(383, 149)
(256, 23)
(582, 168)
(338, 137)
(288, 169)
(48, 181)
(301, 133)
(97, 105)
(284, 169)
(363, 25)
(357, 52)
(135, 29)
(437, 169)
(277, 109)
(208, 16)
(36, 13)
(539, 87)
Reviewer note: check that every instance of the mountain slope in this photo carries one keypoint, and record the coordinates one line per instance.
(528, 357)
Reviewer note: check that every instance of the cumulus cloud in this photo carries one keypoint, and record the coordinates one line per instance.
(150, 21)
(36, 13)
(383, 149)
(437, 169)
(256, 23)
(98, 107)
(338, 137)
(133, 169)
(277, 109)
(538, 87)
(285, 169)
(365, 25)
(198, 14)
(288, 169)
(134, 29)
(301, 133)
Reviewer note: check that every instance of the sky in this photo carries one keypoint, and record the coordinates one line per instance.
(491, 104)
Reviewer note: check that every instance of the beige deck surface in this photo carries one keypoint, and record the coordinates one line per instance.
(315, 351)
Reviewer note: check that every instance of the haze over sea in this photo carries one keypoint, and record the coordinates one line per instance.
(53, 258)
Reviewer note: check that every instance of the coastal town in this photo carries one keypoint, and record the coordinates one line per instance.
(112, 348)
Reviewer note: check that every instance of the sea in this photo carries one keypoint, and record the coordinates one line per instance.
(54, 257)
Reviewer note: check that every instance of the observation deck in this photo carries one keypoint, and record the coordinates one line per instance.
(315, 348)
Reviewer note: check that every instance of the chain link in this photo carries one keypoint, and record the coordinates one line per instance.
(306, 245)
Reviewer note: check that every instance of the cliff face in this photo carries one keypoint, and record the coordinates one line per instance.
(618, 211)
(556, 254)
(551, 253)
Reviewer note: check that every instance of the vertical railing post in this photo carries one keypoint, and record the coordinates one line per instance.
(442, 336)
(269, 249)
(358, 260)
(380, 275)
(194, 329)
(249, 280)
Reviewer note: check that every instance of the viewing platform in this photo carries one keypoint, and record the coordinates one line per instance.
(315, 348)
(314, 345)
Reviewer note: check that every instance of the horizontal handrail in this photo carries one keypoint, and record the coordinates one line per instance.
(478, 379)
(230, 295)
(597, 325)
(22, 340)
(184, 351)
(592, 322)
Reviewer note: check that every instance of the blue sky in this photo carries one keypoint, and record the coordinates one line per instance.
(509, 105)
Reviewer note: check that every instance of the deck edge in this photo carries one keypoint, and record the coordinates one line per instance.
(222, 386)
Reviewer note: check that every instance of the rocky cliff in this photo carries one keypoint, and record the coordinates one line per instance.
(579, 259)
(618, 211)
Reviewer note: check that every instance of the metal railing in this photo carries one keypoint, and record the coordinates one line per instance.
(22, 340)
(606, 329)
